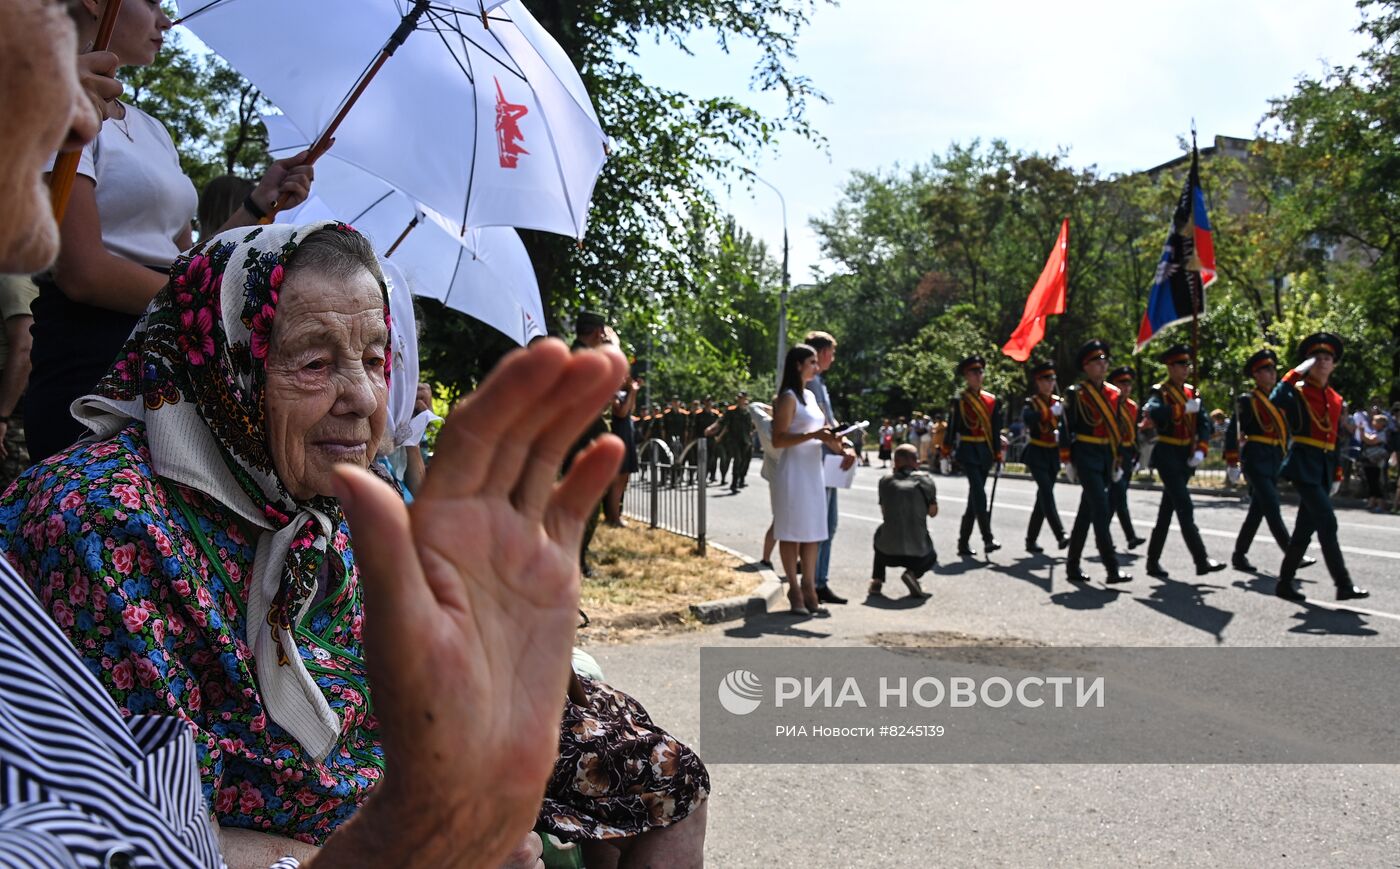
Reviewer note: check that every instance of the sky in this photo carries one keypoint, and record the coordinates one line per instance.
(1116, 82)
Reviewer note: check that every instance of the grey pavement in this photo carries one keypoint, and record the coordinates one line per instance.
(822, 815)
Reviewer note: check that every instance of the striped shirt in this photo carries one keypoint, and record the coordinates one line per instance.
(80, 786)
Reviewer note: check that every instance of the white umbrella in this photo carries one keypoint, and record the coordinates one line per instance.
(486, 125)
(485, 273)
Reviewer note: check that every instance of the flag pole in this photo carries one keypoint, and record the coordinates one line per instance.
(1196, 288)
(65, 168)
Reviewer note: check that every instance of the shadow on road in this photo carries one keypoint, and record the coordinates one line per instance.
(908, 602)
(1084, 597)
(776, 624)
(961, 565)
(1186, 602)
(1318, 620)
(1025, 569)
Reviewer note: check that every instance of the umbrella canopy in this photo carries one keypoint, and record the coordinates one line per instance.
(486, 125)
(484, 273)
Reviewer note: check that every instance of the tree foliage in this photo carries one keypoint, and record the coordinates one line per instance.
(212, 112)
(638, 259)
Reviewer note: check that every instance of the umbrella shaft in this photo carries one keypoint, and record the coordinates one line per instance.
(324, 141)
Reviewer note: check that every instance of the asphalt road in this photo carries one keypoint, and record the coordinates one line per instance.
(819, 815)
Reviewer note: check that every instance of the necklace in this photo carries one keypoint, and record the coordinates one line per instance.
(123, 124)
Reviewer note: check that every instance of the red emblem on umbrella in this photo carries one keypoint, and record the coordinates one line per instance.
(508, 135)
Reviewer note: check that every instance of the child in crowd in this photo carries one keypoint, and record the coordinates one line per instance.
(908, 498)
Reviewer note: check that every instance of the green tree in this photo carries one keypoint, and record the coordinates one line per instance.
(940, 257)
(212, 112)
(1334, 153)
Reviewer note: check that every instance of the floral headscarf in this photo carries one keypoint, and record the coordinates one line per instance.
(194, 371)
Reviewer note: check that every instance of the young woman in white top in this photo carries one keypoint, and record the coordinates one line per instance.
(127, 219)
(797, 489)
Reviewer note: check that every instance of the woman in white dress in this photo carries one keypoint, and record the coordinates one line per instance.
(797, 489)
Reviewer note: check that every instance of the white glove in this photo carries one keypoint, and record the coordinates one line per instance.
(1193, 406)
(1117, 474)
(1196, 458)
(1305, 366)
(1071, 474)
(1057, 409)
(1232, 474)
(1336, 484)
(945, 466)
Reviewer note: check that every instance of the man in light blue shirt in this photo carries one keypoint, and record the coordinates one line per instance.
(825, 345)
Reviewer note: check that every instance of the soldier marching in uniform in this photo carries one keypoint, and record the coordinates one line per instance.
(692, 434)
(674, 422)
(735, 436)
(1092, 428)
(1127, 454)
(1260, 426)
(702, 422)
(975, 421)
(1183, 436)
(1313, 411)
(1042, 455)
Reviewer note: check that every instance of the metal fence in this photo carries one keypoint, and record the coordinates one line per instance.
(668, 490)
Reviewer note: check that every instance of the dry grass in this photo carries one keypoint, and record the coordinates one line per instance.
(644, 582)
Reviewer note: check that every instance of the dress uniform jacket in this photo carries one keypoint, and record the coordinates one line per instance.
(975, 423)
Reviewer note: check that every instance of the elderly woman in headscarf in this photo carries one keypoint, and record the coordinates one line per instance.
(191, 548)
(193, 551)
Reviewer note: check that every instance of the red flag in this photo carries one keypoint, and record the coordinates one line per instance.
(1047, 297)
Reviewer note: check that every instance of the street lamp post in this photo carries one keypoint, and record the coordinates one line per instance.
(783, 293)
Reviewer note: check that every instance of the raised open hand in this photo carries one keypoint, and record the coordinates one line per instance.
(470, 604)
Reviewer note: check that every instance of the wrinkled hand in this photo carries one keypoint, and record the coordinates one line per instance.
(95, 76)
(286, 182)
(471, 600)
(1193, 405)
(1196, 458)
(1071, 474)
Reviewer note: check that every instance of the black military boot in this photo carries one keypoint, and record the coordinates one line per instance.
(1285, 590)
(965, 536)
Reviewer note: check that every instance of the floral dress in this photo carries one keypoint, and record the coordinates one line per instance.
(147, 578)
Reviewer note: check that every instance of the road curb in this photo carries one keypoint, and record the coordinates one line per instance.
(756, 603)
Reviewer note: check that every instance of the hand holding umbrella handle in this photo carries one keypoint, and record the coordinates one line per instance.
(281, 172)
